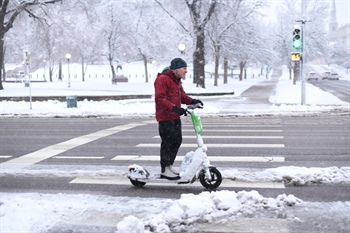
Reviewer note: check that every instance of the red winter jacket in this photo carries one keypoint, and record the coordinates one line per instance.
(168, 92)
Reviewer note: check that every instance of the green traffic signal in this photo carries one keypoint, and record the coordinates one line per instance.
(297, 44)
(297, 37)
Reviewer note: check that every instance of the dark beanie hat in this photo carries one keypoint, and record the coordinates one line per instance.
(177, 63)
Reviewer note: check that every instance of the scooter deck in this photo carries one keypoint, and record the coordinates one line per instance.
(156, 179)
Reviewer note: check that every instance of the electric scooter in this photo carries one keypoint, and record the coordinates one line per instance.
(194, 165)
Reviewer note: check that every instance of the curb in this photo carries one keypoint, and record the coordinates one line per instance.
(99, 98)
(78, 97)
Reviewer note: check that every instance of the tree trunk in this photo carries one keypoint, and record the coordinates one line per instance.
(225, 70)
(199, 61)
(217, 59)
(112, 69)
(296, 72)
(60, 71)
(82, 69)
(145, 64)
(241, 67)
(290, 71)
(2, 56)
(50, 73)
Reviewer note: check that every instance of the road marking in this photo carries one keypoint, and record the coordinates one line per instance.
(211, 158)
(77, 157)
(226, 183)
(50, 151)
(238, 126)
(5, 156)
(219, 145)
(239, 130)
(237, 123)
(234, 137)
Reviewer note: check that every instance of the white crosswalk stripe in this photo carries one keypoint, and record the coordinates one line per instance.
(78, 157)
(232, 137)
(239, 130)
(212, 158)
(218, 145)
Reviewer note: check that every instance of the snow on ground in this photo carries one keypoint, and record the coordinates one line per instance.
(286, 100)
(38, 212)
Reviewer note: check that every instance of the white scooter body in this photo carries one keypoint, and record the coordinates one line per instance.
(195, 164)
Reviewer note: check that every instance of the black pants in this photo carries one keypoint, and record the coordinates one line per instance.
(170, 133)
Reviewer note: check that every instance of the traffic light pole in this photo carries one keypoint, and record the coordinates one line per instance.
(302, 76)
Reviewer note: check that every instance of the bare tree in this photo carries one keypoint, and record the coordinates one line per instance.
(9, 11)
(200, 12)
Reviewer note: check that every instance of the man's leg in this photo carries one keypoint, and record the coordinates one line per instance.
(166, 133)
(176, 140)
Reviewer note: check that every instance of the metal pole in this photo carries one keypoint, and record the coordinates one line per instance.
(68, 74)
(303, 84)
(30, 86)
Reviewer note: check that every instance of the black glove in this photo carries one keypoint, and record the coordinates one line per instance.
(179, 111)
(194, 101)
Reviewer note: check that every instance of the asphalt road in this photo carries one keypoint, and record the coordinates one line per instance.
(339, 88)
(96, 146)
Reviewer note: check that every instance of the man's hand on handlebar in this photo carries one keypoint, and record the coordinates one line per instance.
(195, 101)
(193, 106)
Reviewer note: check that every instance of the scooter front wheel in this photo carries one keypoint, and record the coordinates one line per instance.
(137, 184)
(215, 181)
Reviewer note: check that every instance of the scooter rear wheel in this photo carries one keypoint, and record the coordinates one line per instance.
(215, 181)
(137, 184)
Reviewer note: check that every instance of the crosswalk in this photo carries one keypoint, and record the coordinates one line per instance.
(215, 132)
(255, 135)
(139, 158)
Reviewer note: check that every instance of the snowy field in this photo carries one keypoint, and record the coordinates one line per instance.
(39, 212)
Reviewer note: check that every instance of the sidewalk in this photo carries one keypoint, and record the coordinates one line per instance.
(261, 92)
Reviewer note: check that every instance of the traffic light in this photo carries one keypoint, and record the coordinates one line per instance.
(26, 57)
(297, 37)
(295, 56)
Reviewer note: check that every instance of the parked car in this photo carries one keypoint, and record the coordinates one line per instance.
(326, 75)
(334, 76)
(312, 76)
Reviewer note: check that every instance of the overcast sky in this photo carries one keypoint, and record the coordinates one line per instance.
(342, 10)
(342, 7)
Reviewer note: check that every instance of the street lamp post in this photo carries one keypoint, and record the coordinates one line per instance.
(68, 57)
(182, 48)
(44, 69)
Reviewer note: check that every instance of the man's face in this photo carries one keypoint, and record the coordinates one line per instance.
(180, 72)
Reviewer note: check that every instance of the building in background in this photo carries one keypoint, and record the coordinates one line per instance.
(338, 34)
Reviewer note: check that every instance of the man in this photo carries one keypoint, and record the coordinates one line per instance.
(169, 95)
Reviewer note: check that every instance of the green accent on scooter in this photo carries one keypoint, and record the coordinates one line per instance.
(196, 120)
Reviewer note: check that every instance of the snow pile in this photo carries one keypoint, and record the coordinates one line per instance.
(293, 175)
(132, 214)
(208, 207)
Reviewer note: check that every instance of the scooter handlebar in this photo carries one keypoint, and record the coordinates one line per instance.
(193, 106)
